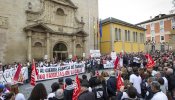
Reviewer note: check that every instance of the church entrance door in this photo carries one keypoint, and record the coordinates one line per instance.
(60, 52)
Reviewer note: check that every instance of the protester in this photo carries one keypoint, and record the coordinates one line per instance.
(20, 96)
(15, 89)
(68, 92)
(55, 86)
(59, 95)
(9, 96)
(2, 91)
(129, 94)
(111, 85)
(162, 86)
(84, 80)
(136, 80)
(38, 93)
(158, 94)
(171, 81)
(85, 94)
(61, 83)
(93, 80)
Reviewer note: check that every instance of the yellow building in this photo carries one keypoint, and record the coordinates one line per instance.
(118, 35)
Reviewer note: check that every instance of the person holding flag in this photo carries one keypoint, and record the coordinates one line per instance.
(69, 90)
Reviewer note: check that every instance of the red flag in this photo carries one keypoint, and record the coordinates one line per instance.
(33, 74)
(150, 61)
(18, 71)
(76, 91)
(119, 82)
(116, 63)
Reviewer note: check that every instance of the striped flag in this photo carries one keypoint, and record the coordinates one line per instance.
(76, 91)
(119, 82)
(17, 73)
(34, 74)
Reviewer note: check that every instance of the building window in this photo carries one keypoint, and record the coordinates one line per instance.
(152, 33)
(173, 23)
(38, 44)
(60, 12)
(161, 26)
(117, 34)
(141, 38)
(126, 35)
(152, 26)
(162, 38)
(135, 36)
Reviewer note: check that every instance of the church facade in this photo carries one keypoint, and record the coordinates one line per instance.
(46, 29)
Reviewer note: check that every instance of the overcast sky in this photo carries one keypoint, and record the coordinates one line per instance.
(133, 11)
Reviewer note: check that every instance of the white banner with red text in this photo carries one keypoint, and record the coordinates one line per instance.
(46, 73)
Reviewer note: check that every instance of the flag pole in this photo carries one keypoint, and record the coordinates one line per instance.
(94, 31)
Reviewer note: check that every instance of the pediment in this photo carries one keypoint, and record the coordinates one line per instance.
(81, 33)
(39, 28)
(65, 3)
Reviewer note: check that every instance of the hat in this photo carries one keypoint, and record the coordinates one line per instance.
(68, 81)
(2, 86)
(59, 94)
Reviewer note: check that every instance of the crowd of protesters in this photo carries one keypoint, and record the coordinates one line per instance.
(140, 83)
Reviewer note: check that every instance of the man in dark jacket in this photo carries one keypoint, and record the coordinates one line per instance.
(111, 84)
(84, 80)
(171, 80)
(68, 92)
(93, 80)
(85, 94)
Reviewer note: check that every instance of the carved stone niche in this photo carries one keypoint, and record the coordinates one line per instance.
(32, 16)
(3, 22)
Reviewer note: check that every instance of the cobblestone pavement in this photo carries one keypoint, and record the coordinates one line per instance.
(27, 88)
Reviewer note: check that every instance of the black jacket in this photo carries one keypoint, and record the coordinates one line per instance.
(86, 95)
(68, 92)
(100, 93)
(111, 86)
(93, 81)
(171, 82)
(85, 82)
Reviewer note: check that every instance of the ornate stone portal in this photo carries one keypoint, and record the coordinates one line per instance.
(53, 31)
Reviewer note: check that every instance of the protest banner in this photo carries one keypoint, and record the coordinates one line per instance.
(95, 53)
(8, 74)
(46, 73)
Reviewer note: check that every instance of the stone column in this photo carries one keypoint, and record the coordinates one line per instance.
(48, 46)
(74, 45)
(84, 45)
(112, 36)
(29, 51)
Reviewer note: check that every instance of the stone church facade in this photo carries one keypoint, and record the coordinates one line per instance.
(51, 29)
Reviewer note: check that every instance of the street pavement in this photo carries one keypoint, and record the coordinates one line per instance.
(27, 88)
